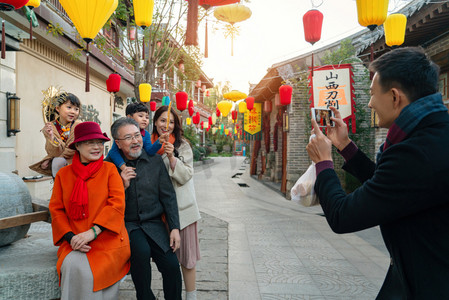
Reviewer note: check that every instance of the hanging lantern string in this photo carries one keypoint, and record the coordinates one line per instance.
(316, 6)
(3, 40)
(87, 69)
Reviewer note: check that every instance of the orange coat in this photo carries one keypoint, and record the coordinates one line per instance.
(110, 252)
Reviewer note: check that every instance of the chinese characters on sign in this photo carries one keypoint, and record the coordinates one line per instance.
(332, 86)
(253, 119)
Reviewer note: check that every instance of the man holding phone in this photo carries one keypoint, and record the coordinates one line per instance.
(405, 190)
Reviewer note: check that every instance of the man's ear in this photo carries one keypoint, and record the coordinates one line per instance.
(118, 144)
(400, 100)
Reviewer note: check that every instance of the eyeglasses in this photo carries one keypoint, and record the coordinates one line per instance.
(92, 143)
(129, 138)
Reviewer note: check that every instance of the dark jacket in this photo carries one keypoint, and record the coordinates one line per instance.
(407, 194)
(148, 196)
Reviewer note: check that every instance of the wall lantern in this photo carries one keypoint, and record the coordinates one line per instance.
(285, 94)
(250, 103)
(153, 105)
(13, 114)
(143, 12)
(181, 100)
(89, 16)
(394, 26)
(267, 106)
(242, 107)
(113, 83)
(145, 92)
(191, 107)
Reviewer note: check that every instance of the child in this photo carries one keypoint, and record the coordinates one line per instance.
(140, 114)
(58, 134)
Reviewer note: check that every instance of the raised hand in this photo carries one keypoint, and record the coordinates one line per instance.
(338, 134)
(127, 174)
(320, 146)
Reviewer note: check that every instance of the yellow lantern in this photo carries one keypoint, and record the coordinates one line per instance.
(143, 12)
(372, 13)
(188, 121)
(214, 118)
(232, 14)
(33, 3)
(145, 92)
(235, 95)
(235, 130)
(226, 131)
(242, 107)
(394, 26)
(89, 16)
(224, 107)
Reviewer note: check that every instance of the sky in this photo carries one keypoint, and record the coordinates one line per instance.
(272, 34)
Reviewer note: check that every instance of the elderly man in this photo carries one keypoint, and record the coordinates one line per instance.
(405, 191)
(149, 195)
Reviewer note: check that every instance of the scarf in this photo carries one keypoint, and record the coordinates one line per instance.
(154, 138)
(78, 204)
(410, 117)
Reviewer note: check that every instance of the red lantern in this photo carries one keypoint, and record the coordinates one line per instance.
(202, 124)
(153, 105)
(250, 103)
(207, 93)
(191, 107)
(181, 100)
(267, 106)
(234, 115)
(313, 21)
(210, 120)
(285, 94)
(113, 83)
(217, 112)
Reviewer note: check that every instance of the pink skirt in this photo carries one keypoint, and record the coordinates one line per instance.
(189, 252)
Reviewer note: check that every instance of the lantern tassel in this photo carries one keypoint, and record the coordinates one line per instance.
(192, 24)
(3, 40)
(31, 30)
(87, 69)
(206, 48)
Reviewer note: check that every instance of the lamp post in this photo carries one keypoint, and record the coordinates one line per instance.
(13, 114)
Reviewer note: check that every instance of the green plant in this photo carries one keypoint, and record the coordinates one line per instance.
(54, 29)
(196, 154)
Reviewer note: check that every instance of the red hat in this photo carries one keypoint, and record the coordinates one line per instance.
(88, 131)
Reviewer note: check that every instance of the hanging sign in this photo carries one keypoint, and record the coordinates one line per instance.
(253, 120)
(333, 86)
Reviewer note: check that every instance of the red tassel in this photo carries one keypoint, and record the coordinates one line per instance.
(3, 40)
(192, 24)
(31, 30)
(206, 48)
(143, 47)
(87, 70)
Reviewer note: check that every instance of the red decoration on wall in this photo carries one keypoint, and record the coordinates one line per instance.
(113, 83)
(250, 103)
(191, 107)
(181, 100)
(153, 105)
(285, 94)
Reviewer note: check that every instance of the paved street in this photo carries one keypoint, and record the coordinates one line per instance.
(281, 250)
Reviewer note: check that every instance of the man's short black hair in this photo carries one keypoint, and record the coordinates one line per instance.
(409, 69)
(135, 107)
(119, 123)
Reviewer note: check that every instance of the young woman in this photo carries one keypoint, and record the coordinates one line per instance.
(87, 209)
(59, 134)
(178, 158)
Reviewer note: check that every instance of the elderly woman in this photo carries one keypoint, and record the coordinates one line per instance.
(87, 209)
(178, 158)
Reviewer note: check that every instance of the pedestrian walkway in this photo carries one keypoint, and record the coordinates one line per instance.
(281, 250)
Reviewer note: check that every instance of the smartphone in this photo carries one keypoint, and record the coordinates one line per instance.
(323, 116)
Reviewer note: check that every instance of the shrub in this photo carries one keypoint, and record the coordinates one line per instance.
(196, 154)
